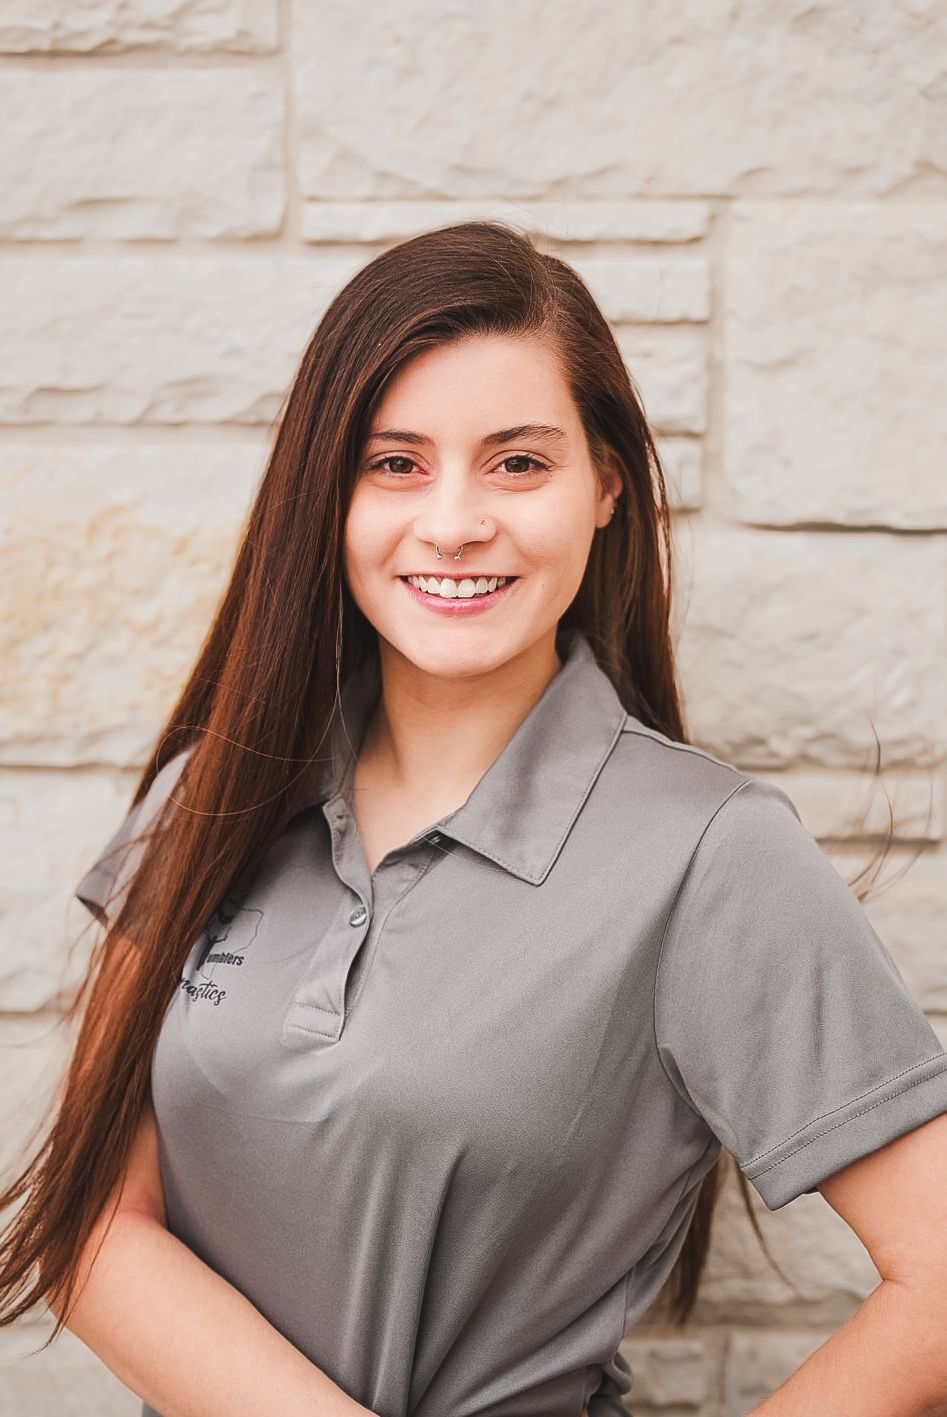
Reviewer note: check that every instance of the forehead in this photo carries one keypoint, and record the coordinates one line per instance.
(461, 390)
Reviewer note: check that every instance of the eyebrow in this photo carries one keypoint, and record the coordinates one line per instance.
(546, 431)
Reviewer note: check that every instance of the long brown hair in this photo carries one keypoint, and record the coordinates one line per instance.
(258, 702)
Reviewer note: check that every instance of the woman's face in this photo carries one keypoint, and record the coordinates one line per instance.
(476, 443)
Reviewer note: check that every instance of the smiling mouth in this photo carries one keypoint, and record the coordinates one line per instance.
(458, 587)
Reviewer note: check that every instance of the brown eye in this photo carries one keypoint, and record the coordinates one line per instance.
(534, 465)
(393, 458)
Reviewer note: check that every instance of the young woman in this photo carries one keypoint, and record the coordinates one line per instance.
(439, 969)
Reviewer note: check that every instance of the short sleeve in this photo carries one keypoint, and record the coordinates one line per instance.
(780, 1017)
(104, 886)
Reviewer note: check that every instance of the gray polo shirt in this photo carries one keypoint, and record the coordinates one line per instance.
(444, 1124)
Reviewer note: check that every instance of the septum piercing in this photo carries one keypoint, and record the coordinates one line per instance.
(437, 549)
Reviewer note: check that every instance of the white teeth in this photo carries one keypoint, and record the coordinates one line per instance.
(464, 589)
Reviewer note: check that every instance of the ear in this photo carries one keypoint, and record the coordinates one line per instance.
(610, 487)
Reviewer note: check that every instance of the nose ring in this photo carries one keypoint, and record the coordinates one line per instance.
(437, 552)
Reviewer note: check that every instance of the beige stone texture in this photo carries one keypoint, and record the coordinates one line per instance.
(556, 221)
(799, 646)
(108, 587)
(141, 154)
(667, 1371)
(758, 1362)
(602, 101)
(111, 26)
(834, 321)
(87, 339)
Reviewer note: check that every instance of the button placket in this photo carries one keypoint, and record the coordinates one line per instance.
(307, 1022)
(342, 960)
(317, 1010)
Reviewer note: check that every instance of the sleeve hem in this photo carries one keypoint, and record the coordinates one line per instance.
(860, 1127)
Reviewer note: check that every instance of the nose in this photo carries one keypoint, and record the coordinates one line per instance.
(455, 521)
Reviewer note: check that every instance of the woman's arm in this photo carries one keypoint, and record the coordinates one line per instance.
(877, 1364)
(891, 1355)
(184, 1339)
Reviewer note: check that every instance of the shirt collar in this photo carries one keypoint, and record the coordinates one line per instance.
(523, 808)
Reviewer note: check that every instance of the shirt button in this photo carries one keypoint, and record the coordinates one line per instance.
(359, 916)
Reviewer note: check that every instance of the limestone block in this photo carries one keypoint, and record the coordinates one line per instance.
(647, 289)
(632, 220)
(758, 1362)
(531, 100)
(909, 916)
(682, 464)
(797, 647)
(108, 588)
(175, 338)
(54, 824)
(109, 26)
(666, 1372)
(669, 367)
(860, 805)
(835, 326)
(136, 153)
(829, 1270)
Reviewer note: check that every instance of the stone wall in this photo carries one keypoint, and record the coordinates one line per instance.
(756, 196)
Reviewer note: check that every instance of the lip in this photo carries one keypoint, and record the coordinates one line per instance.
(477, 605)
(472, 575)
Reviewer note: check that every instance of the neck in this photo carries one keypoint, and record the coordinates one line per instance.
(432, 736)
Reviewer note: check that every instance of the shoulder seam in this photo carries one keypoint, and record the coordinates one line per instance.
(642, 731)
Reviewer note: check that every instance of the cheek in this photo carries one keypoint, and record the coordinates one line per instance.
(366, 540)
(560, 544)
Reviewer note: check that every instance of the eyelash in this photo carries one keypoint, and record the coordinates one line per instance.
(514, 476)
